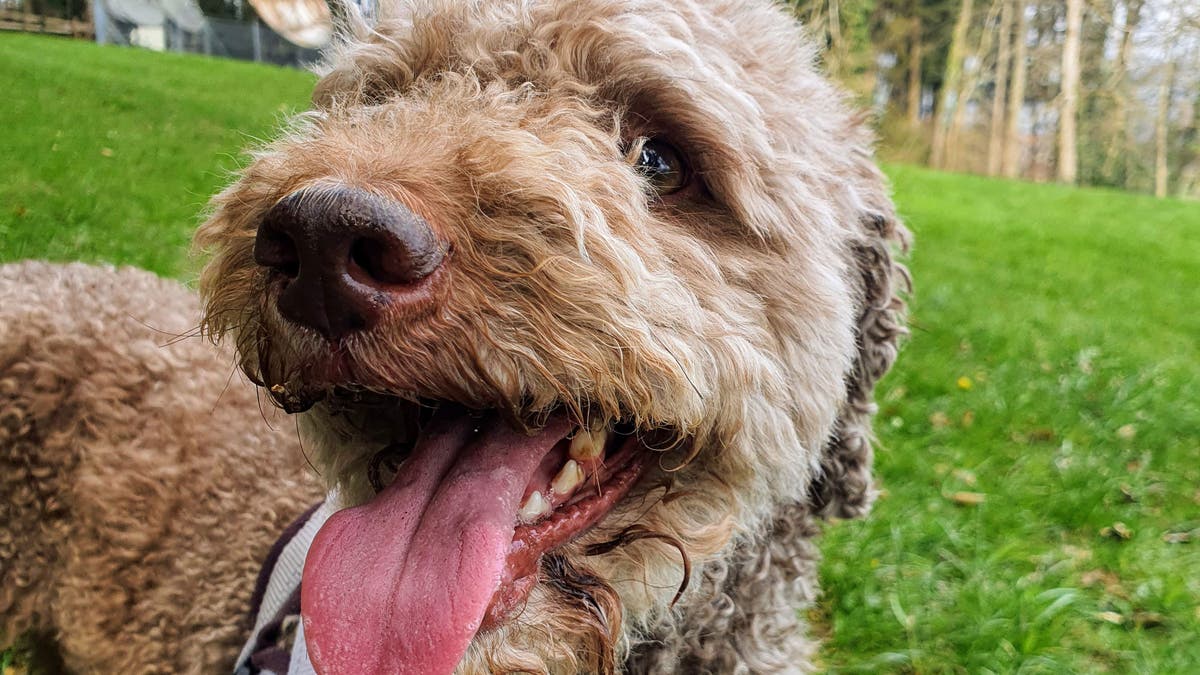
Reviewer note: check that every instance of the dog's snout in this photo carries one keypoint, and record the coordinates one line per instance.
(346, 256)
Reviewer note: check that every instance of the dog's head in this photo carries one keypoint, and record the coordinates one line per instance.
(571, 298)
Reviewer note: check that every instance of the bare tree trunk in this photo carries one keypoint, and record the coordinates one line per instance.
(1161, 174)
(1068, 116)
(837, 45)
(915, 49)
(1119, 142)
(1185, 179)
(950, 84)
(970, 86)
(1011, 164)
(996, 138)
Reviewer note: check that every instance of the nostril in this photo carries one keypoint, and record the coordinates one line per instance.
(392, 260)
(366, 256)
(276, 249)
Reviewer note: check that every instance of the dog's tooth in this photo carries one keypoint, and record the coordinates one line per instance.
(569, 477)
(600, 440)
(582, 447)
(535, 506)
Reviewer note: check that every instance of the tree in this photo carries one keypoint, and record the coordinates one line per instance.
(1068, 116)
(841, 27)
(1118, 84)
(1011, 161)
(1000, 91)
(1161, 171)
(916, 47)
(951, 84)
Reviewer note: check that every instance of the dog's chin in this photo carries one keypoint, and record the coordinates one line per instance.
(454, 515)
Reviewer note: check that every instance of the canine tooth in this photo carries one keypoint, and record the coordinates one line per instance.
(581, 446)
(584, 446)
(600, 439)
(569, 477)
(535, 506)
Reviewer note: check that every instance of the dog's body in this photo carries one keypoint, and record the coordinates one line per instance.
(504, 224)
(142, 485)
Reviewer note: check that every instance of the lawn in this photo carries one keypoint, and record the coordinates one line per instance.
(1040, 436)
(1054, 373)
(111, 154)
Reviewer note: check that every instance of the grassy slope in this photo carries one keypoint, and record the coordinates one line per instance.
(1071, 314)
(110, 154)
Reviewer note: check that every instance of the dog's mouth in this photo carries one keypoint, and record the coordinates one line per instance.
(453, 544)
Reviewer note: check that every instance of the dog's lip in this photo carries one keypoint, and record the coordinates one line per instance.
(621, 472)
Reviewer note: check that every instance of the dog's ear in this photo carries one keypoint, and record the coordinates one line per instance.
(844, 489)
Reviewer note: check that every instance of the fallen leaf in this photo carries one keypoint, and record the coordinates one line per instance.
(1177, 537)
(968, 498)
(1117, 530)
(1149, 619)
(1111, 617)
(1077, 553)
(1041, 434)
(968, 418)
(939, 420)
(107, 152)
(1127, 432)
(1127, 493)
(1110, 581)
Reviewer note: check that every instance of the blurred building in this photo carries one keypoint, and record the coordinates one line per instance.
(285, 32)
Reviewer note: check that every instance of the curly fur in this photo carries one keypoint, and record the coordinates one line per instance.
(751, 320)
(131, 529)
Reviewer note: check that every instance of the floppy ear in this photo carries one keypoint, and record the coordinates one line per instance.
(844, 489)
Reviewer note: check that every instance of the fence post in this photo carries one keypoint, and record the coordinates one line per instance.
(256, 39)
(100, 21)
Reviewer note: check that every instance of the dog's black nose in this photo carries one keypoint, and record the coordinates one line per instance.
(346, 255)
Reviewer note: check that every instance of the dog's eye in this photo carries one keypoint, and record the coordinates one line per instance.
(662, 165)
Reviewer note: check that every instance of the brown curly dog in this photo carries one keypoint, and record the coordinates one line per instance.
(578, 305)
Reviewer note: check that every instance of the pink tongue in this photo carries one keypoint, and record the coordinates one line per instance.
(400, 585)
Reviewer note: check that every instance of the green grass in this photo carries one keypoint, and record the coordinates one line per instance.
(1072, 317)
(111, 154)
(1053, 368)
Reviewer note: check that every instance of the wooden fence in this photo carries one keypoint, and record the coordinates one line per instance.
(16, 19)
